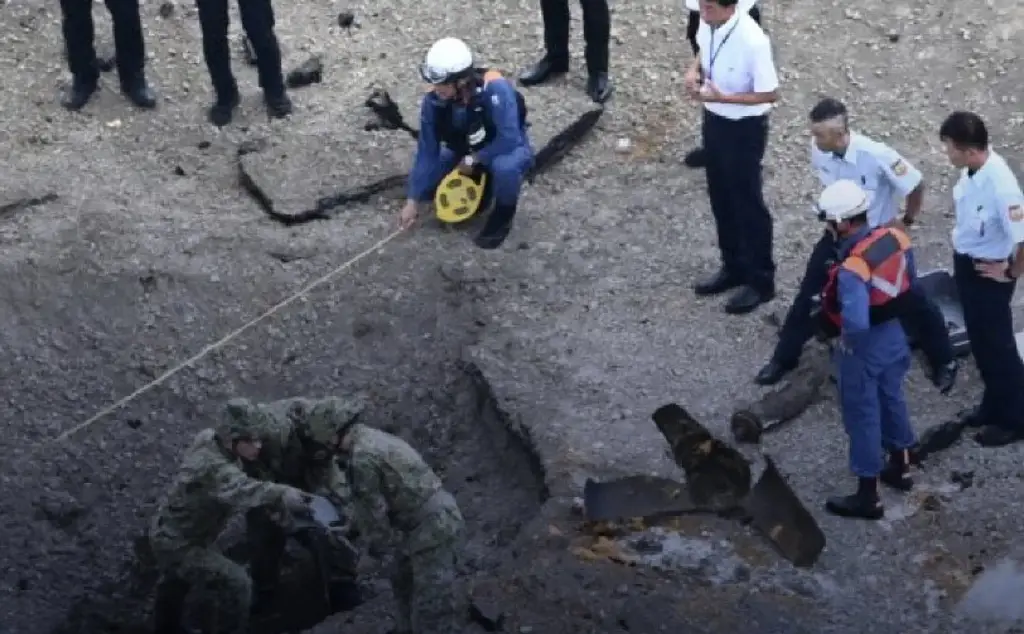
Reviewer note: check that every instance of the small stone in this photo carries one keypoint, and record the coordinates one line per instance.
(346, 19)
(166, 9)
(623, 146)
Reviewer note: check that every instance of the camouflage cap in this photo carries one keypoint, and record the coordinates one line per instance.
(241, 419)
(333, 416)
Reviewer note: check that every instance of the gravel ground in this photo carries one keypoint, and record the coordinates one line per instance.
(582, 326)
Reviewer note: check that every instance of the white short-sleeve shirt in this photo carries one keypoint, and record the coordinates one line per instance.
(737, 58)
(742, 5)
(877, 168)
(989, 210)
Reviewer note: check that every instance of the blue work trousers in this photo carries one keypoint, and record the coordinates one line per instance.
(505, 173)
(874, 410)
(989, 323)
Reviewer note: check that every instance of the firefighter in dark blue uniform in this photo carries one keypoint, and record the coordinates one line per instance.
(471, 119)
(868, 288)
(988, 245)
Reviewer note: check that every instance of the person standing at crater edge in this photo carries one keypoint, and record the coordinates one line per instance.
(734, 77)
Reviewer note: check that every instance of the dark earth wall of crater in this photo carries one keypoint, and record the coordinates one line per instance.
(79, 337)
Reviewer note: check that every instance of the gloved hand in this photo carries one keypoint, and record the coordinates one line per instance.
(295, 500)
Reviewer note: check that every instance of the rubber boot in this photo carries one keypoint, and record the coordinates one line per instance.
(896, 473)
(169, 606)
(864, 504)
(497, 227)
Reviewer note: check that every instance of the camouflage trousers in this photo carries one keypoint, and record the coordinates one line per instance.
(423, 580)
(223, 585)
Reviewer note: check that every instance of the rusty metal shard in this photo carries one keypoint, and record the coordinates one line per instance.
(717, 475)
(938, 438)
(780, 406)
(636, 496)
(776, 512)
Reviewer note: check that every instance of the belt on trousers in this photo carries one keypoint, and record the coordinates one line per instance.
(979, 260)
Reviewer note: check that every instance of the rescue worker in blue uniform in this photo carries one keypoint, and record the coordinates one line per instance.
(868, 288)
(988, 245)
(472, 119)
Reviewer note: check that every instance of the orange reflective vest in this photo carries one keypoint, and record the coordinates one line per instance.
(880, 260)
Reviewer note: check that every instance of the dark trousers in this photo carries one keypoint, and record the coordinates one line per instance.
(735, 150)
(923, 320)
(693, 23)
(597, 25)
(78, 39)
(258, 23)
(989, 324)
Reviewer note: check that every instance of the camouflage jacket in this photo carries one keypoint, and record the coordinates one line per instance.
(284, 458)
(207, 491)
(392, 485)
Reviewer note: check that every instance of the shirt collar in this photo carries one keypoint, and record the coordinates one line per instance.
(846, 244)
(850, 156)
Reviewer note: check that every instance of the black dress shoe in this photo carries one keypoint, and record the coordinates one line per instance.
(773, 372)
(222, 110)
(696, 159)
(864, 504)
(278, 106)
(716, 284)
(139, 93)
(544, 70)
(746, 299)
(78, 93)
(599, 87)
(944, 376)
(996, 436)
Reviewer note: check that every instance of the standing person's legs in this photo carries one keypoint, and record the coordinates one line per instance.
(924, 318)
(556, 44)
(213, 21)
(258, 23)
(76, 16)
(798, 326)
(130, 50)
(748, 139)
(597, 26)
(719, 174)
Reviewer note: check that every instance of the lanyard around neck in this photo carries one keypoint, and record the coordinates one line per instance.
(713, 52)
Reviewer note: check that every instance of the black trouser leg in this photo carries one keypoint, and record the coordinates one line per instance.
(924, 318)
(798, 327)
(597, 29)
(128, 43)
(78, 39)
(718, 172)
(556, 29)
(734, 151)
(989, 323)
(258, 22)
(169, 605)
(213, 21)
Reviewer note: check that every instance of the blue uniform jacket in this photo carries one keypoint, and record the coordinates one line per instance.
(877, 345)
(500, 105)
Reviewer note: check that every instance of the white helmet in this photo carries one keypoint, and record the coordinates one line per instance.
(448, 60)
(842, 200)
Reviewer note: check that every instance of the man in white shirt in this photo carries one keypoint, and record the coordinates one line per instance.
(695, 158)
(988, 245)
(837, 153)
(734, 77)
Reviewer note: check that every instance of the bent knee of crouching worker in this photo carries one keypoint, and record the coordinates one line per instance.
(508, 172)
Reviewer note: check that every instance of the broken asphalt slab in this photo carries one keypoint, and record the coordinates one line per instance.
(297, 179)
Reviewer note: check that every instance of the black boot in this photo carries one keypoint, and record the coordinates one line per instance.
(944, 376)
(223, 109)
(773, 372)
(497, 227)
(79, 92)
(278, 105)
(864, 504)
(169, 606)
(599, 87)
(896, 473)
(137, 90)
(544, 70)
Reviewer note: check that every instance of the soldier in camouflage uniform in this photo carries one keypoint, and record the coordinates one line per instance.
(392, 485)
(208, 490)
(289, 455)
